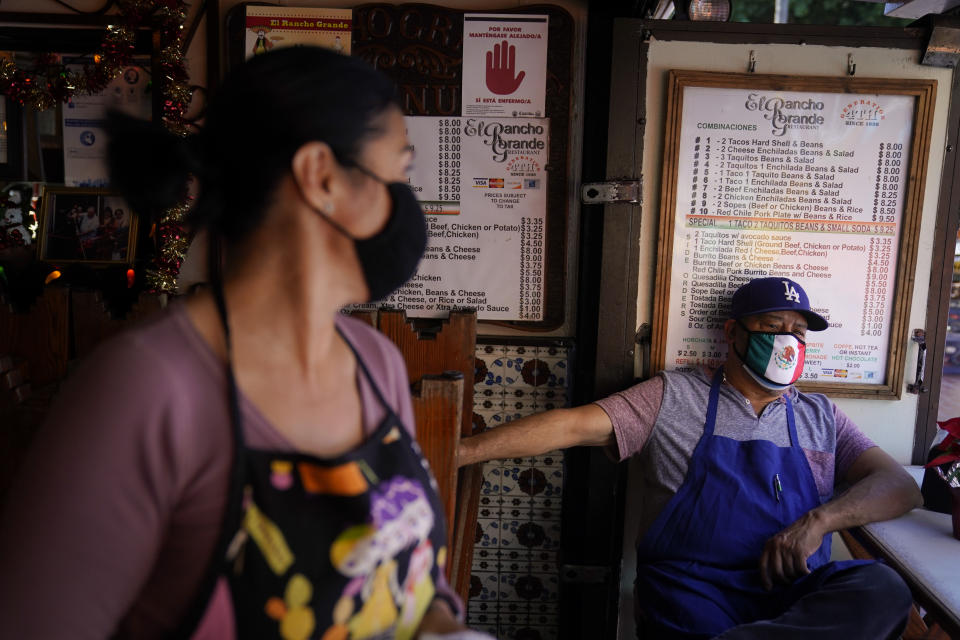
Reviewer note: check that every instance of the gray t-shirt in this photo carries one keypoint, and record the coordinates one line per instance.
(661, 420)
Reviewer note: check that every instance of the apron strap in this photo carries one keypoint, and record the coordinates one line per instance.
(712, 404)
(366, 374)
(233, 395)
(233, 515)
(791, 422)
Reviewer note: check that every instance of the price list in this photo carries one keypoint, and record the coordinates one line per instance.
(448, 160)
(807, 186)
(531, 267)
(437, 150)
(886, 201)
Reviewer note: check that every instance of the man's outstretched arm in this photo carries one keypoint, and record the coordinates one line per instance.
(880, 489)
(533, 435)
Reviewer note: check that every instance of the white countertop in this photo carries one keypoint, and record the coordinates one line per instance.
(920, 544)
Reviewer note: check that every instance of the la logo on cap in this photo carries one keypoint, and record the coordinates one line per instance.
(790, 292)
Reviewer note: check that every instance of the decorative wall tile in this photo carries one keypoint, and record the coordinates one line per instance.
(515, 578)
(489, 586)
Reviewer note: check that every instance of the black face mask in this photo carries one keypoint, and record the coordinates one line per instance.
(390, 257)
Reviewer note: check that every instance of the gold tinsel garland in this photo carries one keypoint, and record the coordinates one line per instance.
(51, 82)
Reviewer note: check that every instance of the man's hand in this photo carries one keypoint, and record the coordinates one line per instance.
(880, 490)
(785, 555)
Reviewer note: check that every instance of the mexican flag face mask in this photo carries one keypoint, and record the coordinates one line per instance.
(774, 360)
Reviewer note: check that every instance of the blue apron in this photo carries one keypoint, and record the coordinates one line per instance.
(698, 565)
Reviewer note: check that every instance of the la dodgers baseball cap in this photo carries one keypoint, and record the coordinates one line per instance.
(762, 295)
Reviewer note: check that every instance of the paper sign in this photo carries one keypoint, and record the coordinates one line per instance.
(85, 140)
(504, 65)
(268, 27)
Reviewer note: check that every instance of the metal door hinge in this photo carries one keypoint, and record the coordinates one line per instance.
(644, 333)
(611, 191)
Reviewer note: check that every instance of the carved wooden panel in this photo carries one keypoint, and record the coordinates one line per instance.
(420, 47)
(448, 346)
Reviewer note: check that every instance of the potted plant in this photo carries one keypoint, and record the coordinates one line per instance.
(947, 465)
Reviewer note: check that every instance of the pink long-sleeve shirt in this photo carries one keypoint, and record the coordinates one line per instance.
(115, 513)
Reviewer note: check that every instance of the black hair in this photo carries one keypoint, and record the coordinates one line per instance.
(264, 111)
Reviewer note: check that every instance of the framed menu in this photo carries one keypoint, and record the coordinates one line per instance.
(815, 179)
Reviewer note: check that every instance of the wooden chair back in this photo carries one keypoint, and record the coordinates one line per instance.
(440, 356)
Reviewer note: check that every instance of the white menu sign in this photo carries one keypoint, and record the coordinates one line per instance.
(504, 65)
(804, 185)
(483, 186)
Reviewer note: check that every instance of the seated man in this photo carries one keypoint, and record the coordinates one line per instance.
(739, 470)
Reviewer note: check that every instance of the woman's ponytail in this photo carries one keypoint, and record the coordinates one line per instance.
(149, 165)
(263, 111)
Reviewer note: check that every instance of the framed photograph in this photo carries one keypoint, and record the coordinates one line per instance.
(93, 226)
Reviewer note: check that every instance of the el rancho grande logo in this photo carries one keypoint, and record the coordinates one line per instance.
(785, 114)
(862, 113)
(505, 139)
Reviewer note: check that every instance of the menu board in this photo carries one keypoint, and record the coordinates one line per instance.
(810, 185)
(482, 185)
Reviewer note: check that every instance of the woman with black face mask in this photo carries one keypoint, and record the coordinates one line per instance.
(251, 469)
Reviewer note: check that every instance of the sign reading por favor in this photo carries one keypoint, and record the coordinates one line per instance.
(504, 65)
(482, 185)
(816, 183)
